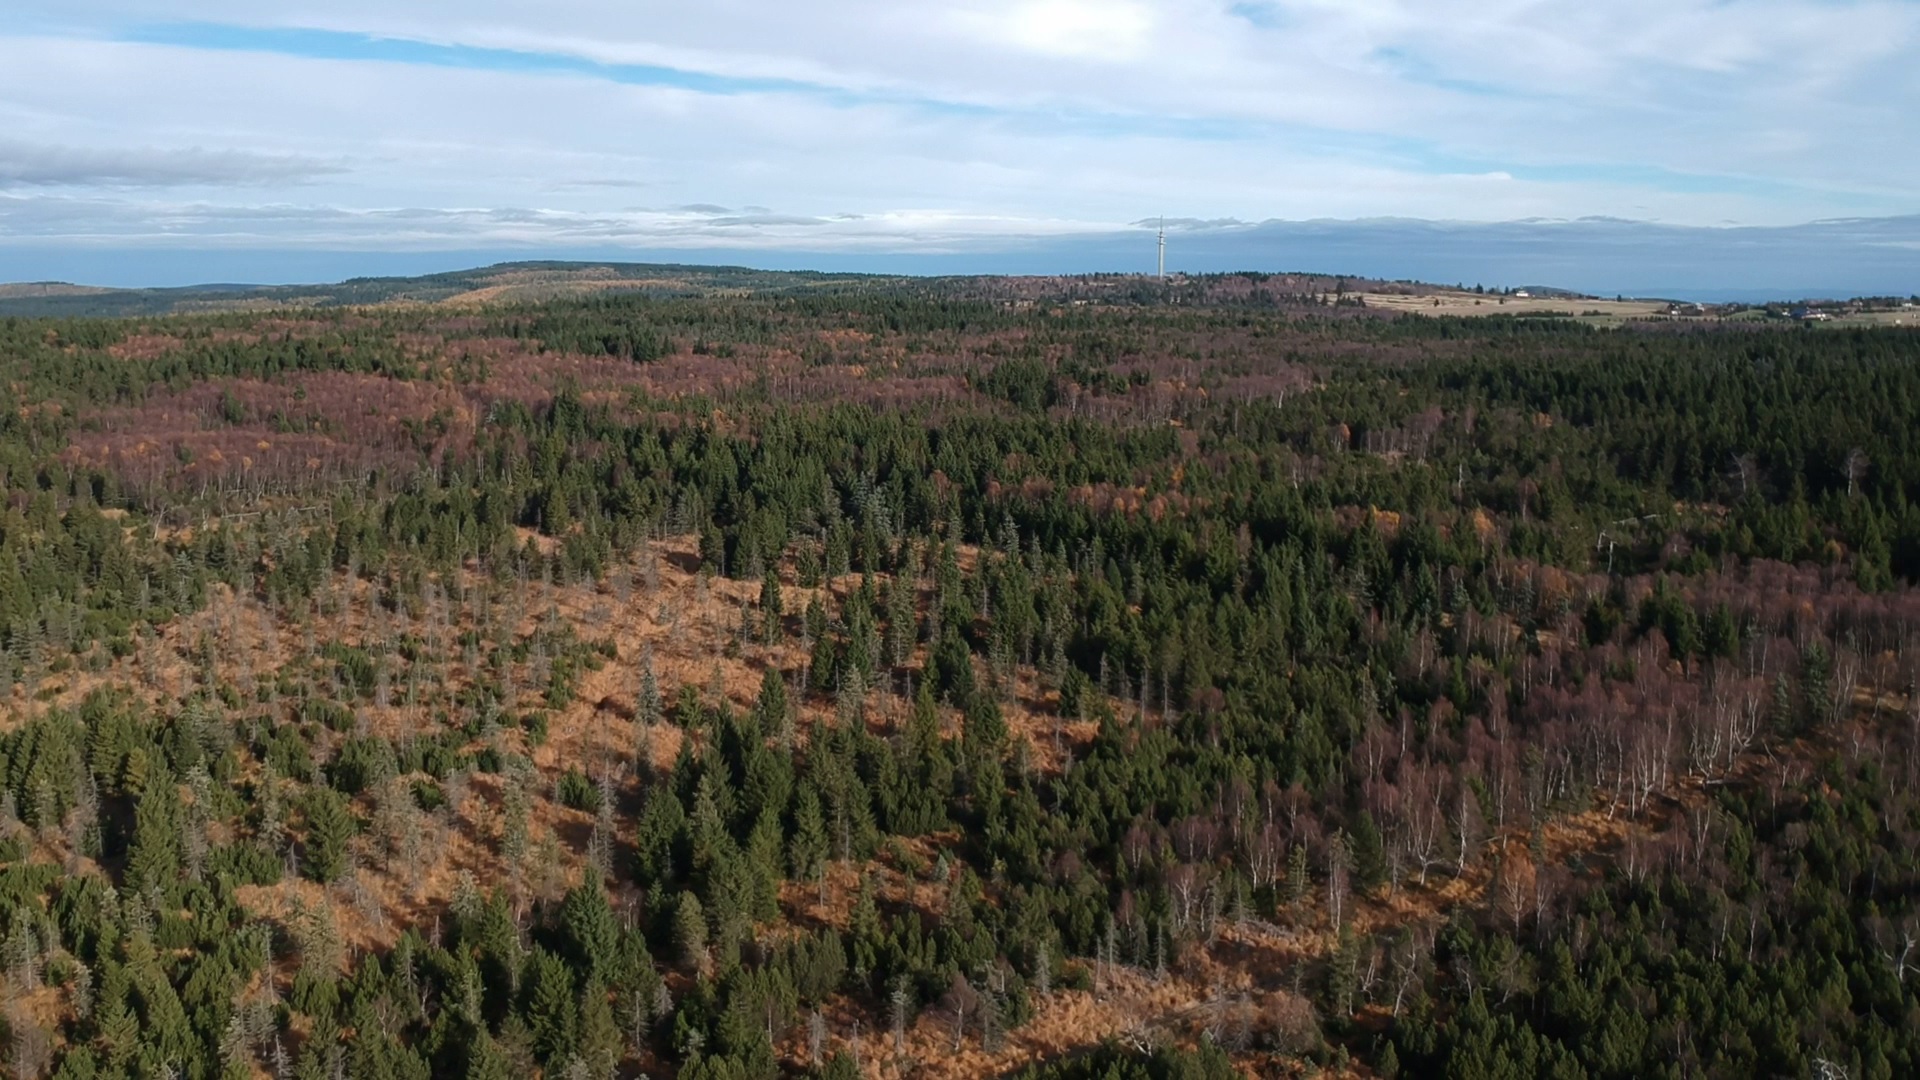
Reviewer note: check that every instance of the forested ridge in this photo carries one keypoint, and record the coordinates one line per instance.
(955, 679)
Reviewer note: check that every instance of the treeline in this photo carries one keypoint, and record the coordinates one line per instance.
(1772, 933)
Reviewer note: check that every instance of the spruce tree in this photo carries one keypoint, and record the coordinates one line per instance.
(330, 826)
(551, 1008)
(690, 932)
(154, 858)
(599, 1036)
(592, 936)
(772, 611)
(807, 845)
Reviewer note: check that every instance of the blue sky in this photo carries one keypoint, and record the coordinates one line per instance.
(184, 138)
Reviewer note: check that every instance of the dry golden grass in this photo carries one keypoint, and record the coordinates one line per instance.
(1456, 303)
(511, 287)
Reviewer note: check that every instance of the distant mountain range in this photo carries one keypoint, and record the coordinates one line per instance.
(532, 282)
(505, 282)
(1592, 256)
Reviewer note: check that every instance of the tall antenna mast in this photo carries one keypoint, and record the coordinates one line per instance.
(1163, 247)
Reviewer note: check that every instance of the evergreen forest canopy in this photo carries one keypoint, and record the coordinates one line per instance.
(876, 678)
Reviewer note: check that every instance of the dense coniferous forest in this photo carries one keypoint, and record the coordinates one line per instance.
(1057, 680)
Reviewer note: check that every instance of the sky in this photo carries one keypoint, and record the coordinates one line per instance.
(1623, 145)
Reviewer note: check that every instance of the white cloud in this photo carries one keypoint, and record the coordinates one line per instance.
(1111, 31)
(42, 165)
(35, 219)
(1018, 114)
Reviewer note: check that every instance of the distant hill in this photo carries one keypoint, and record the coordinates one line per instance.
(531, 282)
(506, 282)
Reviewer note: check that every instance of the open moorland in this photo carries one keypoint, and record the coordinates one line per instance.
(1459, 303)
(654, 671)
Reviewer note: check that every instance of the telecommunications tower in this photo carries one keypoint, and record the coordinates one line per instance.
(1163, 247)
